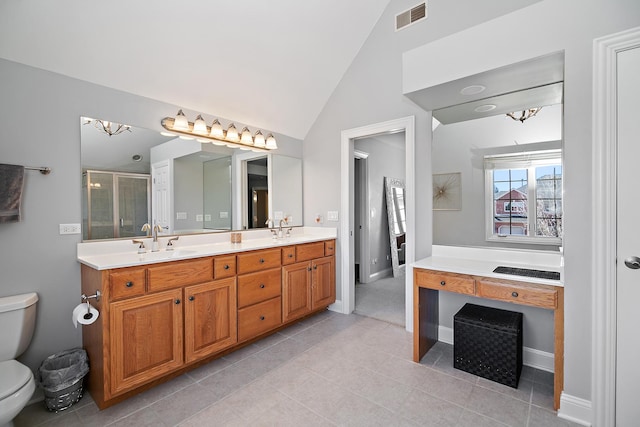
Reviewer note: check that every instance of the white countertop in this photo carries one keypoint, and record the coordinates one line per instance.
(103, 255)
(482, 262)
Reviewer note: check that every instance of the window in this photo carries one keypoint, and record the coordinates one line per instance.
(524, 197)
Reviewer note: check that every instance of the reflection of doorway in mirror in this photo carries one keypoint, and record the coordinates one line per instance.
(447, 192)
(257, 193)
(259, 208)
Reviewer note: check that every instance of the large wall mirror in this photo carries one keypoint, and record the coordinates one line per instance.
(394, 194)
(138, 176)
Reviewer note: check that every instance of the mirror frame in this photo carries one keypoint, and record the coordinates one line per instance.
(389, 185)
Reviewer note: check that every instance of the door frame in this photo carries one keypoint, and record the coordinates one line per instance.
(603, 257)
(347, 270)
(363, 242)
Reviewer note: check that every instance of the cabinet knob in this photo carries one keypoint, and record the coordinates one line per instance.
(129, 284)
(442, 283)
(330, 248)
(315, 267)
(261, 285)
(177, 301)
(261, 260)
(261, 317)
(514, 294)
(290, 255)
(191, 298)
(309, 268)
(226, 266)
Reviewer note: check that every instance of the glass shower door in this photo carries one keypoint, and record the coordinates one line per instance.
(133, 204)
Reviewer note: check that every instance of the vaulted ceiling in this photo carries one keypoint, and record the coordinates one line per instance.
(270, 64)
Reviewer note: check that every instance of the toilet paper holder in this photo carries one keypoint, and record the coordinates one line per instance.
(96, 296)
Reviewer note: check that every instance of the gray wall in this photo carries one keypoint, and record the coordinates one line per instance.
(217, 193)
(386, 159)
(34, 256)
(371, 92)
(460, 147)
(188, 179)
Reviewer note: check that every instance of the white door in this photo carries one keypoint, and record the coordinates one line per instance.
(628, 240)
(161, 195)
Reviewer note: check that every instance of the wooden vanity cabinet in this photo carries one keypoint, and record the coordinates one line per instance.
(309, 284)
(158, 320)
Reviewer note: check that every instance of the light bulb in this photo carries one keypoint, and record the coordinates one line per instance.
(181, 122)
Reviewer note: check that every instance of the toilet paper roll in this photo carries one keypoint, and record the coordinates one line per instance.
(85, 314)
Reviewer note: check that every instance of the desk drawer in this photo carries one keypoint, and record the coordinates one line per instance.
(451, 282)
(526, 294)
(257, 287)
(180, 273)
(259, 318)
(258, 260)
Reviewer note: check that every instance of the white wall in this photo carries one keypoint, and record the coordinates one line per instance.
(460, 147)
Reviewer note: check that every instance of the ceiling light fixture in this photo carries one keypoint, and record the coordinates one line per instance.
(110, 128)
(526, 114)
(182, 127)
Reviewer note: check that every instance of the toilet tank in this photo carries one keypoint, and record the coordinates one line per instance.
(18, 320)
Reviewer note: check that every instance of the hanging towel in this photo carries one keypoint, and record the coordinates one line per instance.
(11, 182)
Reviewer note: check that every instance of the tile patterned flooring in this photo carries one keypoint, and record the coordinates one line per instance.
(382, 299)
(328, 370)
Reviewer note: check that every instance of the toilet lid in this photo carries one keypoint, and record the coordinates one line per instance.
(13, 376)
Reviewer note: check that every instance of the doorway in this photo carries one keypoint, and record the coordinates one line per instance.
(347, 224)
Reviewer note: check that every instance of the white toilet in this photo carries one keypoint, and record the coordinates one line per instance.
(18, 320)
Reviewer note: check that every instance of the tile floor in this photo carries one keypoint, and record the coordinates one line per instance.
(328, 370)
(382, 299)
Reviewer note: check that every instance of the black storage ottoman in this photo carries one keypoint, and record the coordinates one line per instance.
(488, 342)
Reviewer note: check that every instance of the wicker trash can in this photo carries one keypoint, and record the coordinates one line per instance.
(488, 342)
(61, 376)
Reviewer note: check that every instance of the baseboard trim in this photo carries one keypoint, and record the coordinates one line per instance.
(337, 307)
(380, 274)
(575, 409)
(530, 356)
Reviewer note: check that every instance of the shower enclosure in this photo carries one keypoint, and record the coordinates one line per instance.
(114, 204)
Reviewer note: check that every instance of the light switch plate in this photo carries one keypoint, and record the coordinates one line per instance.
(332, 216)
(207, 217)
(70, 229)
(181, 215)
(199, 218)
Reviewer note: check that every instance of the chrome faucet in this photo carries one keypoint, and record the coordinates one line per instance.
(280, 232)
(269, 223)
(154, 234)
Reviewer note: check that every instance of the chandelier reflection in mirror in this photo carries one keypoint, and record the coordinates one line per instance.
(526, 114)
(198, 130)
(110, 128)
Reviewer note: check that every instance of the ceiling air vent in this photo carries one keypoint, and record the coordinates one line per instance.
(411, 16)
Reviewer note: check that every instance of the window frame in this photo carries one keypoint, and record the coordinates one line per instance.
(522, 160)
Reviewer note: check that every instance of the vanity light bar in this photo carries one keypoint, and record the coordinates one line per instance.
(180, 126)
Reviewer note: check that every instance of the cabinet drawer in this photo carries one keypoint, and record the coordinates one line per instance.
(224, 266)
(127, 283)
(180, 273)
(529, 294)
(259, 260)
(259, 318)
(329, 248)
(309, 251)
(451, 282)
(257, 287)
(288, 255)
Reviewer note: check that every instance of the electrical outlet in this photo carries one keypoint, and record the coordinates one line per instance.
(224, 215)
(70, 229)
(199, 218)
(181, 215)
(207, 217)
(332, 216)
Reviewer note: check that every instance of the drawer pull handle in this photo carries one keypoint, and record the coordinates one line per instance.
(261, 317)
(191, 298)
(261, 260)
(226, 266)
(129, 284)
(442, 283)
(330, 248)
(261, 285)
(177, 301)
(514, 294)
(290, 255)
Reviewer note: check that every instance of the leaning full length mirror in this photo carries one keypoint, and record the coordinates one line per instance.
(394, 194)
(138, 176)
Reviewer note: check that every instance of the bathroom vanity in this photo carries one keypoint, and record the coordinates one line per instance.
(164, 313)
(470, 271)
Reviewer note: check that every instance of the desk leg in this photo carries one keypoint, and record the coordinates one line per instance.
(558, 376)
(425, 321)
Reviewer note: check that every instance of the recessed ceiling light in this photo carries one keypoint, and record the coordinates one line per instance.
(472, 90)
(484, 108)
(136, 157)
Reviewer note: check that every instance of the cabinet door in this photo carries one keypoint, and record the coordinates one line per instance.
(296, 290)
(146, 339)
(323, 285)
(210, 318)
